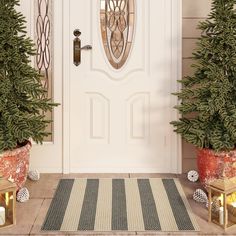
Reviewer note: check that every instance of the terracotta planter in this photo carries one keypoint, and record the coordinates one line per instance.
(14, 165)
(212, 165)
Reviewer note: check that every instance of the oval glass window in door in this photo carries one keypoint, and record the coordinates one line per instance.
(117, 28)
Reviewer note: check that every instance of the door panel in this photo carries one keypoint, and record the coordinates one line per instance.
(119, 118)
(138, 118)
(98, 119)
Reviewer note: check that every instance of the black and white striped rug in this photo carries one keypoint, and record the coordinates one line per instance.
(153, 204)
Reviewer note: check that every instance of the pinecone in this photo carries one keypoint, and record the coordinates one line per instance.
(23, 195)
(200, 196)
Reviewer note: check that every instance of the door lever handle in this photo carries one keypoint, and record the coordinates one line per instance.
(86, 47)
(77, 47)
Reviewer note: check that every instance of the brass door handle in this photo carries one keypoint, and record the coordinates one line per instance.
(86, 47)
(77, 47)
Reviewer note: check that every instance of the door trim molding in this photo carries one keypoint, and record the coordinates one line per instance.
(176, 73)
(66, 86)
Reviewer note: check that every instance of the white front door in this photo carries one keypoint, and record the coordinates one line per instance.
(117, 120)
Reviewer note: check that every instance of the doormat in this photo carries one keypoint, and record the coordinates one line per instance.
(153, 204)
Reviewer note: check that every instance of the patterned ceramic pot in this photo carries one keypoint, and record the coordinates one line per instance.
(212, 165)
(14, 165)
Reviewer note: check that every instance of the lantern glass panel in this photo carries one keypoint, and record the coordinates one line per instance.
(222, 202)
(7, 201)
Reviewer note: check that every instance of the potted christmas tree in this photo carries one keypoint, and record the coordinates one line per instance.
(208, 98)
(22, 100)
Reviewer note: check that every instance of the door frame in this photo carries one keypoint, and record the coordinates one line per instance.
(62, 17)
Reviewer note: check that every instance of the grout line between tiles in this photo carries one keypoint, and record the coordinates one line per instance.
(193, 18)
(36, 217)
(188, 37)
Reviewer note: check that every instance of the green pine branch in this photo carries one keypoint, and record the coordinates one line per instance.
(208, 98)
(22, 96)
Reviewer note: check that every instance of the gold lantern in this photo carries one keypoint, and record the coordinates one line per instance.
(7, 203)
(223, 190)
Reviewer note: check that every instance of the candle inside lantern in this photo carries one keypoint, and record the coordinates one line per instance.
(233, 204)
(221, 215)
(2, 216)
(220, 199)
(7, 198)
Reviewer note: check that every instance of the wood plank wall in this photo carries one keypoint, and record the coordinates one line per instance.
(193, 12)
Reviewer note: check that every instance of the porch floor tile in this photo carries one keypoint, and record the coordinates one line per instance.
(30, 215)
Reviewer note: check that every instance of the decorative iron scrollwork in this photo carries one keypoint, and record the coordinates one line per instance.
(43, 41)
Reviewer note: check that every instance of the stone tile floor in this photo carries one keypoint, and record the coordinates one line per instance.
(30, 215)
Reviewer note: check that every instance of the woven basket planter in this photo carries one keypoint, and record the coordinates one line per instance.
(213, 165)
(14, 165)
